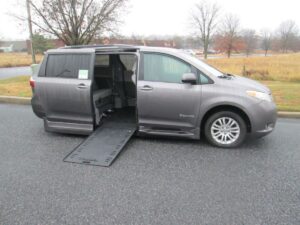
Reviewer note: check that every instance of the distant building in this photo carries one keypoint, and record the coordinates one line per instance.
(134, 41)
(13, 46)
(24, 46)
(6, 48)
(57, 43)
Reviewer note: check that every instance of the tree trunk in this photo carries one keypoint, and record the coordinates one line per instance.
(205, 51)
(228, 53)
(266, 52)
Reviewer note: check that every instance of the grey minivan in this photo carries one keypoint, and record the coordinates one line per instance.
(164, 91)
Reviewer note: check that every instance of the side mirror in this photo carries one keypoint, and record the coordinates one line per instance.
(189, 78)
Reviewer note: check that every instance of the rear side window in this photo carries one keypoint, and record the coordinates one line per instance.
(67, 65)
(163, 68)
(102, 60)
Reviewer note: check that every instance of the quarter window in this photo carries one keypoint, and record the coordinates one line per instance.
(203, 78)
(163, 68)
(67, 65)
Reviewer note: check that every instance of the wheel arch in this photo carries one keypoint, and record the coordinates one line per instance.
(226, 107)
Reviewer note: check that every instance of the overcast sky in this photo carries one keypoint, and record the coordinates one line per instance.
(170, 17)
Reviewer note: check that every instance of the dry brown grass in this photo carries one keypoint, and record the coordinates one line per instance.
(17, 59)
(277, 67)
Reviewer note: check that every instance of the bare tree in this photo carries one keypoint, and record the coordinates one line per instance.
(287, 31)
(266, 40)
(204, 21)
(76, 21)
(230, 32)
(250, 40)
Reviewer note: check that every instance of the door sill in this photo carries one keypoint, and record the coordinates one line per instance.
(168, 133)
(66, 127)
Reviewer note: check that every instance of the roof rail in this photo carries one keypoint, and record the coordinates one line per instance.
(117, 46)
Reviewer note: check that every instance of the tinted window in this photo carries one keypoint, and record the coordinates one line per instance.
(164, 68)
(102, 60)
(67, 66)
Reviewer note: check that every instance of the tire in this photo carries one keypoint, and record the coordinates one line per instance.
(225, 129)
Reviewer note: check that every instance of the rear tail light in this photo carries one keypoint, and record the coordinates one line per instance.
(31, 82)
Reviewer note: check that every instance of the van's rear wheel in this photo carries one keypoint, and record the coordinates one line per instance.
(225, 129)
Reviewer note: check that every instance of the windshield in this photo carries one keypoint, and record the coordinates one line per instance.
(205, 66)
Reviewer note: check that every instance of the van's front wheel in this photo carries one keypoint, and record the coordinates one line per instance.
(225, 129)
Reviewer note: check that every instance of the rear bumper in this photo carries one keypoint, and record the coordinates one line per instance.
(37, 107)
(264, 117)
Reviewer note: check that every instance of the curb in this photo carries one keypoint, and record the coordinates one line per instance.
(284, 114)
(27, 101)
(15, 100)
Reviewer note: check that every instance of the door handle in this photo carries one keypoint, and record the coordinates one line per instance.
(146, 88)
(81, 86)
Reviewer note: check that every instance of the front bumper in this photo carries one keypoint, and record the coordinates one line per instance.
(263, 119)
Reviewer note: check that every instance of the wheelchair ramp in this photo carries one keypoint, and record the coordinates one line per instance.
(103, 146)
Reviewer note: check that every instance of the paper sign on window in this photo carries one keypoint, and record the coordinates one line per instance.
(83, 74)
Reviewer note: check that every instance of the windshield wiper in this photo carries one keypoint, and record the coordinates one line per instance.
(226, 76)
(230, 75)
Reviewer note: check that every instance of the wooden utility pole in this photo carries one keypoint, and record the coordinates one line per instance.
(30, 31)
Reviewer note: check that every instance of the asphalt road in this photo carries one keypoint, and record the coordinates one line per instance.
(153, 181)
(14, 71)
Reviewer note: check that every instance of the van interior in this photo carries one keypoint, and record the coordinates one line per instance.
(114, 87)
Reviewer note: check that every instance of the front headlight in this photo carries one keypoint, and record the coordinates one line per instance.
(260, 95)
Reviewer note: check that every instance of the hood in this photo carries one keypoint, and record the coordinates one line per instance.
(247, 84)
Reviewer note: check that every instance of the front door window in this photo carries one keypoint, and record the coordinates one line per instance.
(162, 68)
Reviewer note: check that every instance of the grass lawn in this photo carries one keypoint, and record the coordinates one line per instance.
(17, 59)
(17, 86)
(286, 94)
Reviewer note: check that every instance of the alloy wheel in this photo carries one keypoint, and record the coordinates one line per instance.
(225, 130)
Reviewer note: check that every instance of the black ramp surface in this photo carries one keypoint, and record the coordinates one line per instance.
(104, 145)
